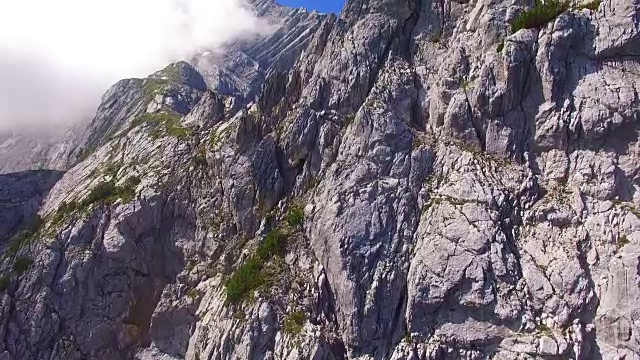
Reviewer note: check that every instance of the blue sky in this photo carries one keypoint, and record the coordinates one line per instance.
(325, 6)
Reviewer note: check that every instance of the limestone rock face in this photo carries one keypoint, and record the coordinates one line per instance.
(418, 183)
(241, 68)
(21, 196)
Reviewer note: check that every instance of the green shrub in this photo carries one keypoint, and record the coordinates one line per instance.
(103, 193)
(68, 207)
(407, 337)
(200, 158)
(294, 322)
(22, 264)
(500, 46)
(63, 210)
(273, 244)
(17, 241)
(108, 193)
(539, 15)
(295, 215)
(24, 236)
(127, 192)
(35, 224)
(5, 281)
(244, 280)
(111, 170)
(192, 293)
(250, 276)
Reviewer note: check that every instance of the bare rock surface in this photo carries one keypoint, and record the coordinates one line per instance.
(419, 183)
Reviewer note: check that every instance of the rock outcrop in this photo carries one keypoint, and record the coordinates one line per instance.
(421, 183)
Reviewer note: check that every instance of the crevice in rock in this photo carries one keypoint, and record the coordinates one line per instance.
(588, 313)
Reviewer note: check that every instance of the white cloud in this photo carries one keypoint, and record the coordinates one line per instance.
(57, 57)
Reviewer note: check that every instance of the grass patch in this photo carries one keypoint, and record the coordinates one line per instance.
(348, 120)
(152, 87)
(294, 322)
(544, 329)
(162, 124)
(160, 82)
(22, 264)
(249, 276)
(5, 281)
(540, 14)
(634, 211)
(631, 208)
(622, 241)
(418, 141)
(591, 5)
(216, 137)
(295, 215)
(172, 73)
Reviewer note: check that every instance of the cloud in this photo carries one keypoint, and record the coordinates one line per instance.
(58, 57)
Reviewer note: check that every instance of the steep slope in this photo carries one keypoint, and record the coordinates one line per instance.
(242, 67)
(238, 69)
(421, 184)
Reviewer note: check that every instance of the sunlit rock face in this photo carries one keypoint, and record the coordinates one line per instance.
(415, 182)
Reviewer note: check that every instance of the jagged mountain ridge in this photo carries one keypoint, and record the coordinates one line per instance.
(409, 189)
(238, 69)
(242, 68)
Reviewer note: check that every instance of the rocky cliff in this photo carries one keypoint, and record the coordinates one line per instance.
(241, 67)
(425, 181)
(237, 70)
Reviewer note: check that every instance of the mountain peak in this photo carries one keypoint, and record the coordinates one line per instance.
(183, 73)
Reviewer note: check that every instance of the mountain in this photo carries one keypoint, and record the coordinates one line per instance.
(237, 70)
(427, 180)
(33, 149)
(241, 68)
